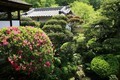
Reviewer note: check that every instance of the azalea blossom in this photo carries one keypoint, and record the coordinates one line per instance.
(5, 42)
(8, 31)
(47, 64)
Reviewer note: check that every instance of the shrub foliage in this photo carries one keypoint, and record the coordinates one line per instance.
(27, 49)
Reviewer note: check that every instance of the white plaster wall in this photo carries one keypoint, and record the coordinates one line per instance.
(4, 24)
(7, 23)
(16, 23)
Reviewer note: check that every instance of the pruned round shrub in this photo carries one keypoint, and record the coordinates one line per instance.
(56, 22)
(68, 47)
(26, 19)
(27, 49)
(74, 20)
(105, 65)
(60, 17)
(62, 23)
(69, 35)
(30, 23)
(52, 28)
(52, 22)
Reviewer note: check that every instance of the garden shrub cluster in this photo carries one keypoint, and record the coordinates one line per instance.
(105, 65)
(56, 30)
(27, 49)
(66, 59)
(29, 22)
(100, 43)
(75, 23)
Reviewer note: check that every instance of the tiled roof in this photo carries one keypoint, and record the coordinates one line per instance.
(40, 12)
(13, 5)
(18, 1)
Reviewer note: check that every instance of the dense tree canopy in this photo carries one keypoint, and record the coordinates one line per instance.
(47, 3)
(41, 3)
(83, 10)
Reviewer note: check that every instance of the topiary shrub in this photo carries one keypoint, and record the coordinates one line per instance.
(62, 23)
(57, 38)
(60, 17)
(27, 49)
(56, 22)
(52, 22)
(30, 23)
(52, 28)
(105, 65)
(26, 19)
(68, 47)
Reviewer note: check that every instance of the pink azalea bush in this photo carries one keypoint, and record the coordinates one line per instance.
(27, 49)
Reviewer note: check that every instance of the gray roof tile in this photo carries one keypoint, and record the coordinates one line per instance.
(40, 12)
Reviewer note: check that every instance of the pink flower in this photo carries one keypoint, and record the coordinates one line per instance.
(31, 48)
(25, 42)
(15, 32)
(23, 68)
(8, 31)
(0, 44)
(9, 59)
(5, 42)
(43, 35)
(31, 63)
(47, 64)
(15, 28)
(17, 68)
(40, 41)
(20, 57)
(38, 45)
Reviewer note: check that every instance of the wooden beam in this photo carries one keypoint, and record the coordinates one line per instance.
(10, 17)
(14, 5)
(19, 17)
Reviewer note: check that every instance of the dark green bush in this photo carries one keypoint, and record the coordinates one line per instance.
(74, 20)
(68, 47)
(30, 23)
(112, 45)
(57, 37)
(52, 22)
(42, 24)
(118, 57)
(62, 23)
(69, 35)
(60, 17)
(113, 77)
(25, 19)
(105, 65)
(56, 22)
(52, 28)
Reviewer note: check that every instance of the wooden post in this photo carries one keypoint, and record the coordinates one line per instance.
(10, 18)
(19, 17)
